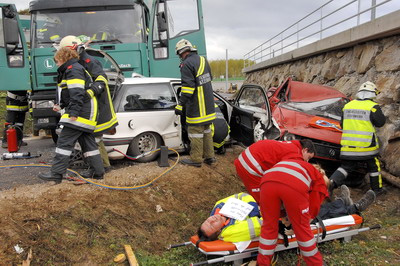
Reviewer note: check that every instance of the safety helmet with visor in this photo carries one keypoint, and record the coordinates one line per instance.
(367, 90)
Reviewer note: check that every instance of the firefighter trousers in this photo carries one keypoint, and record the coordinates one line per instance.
(201, 143)
(65, 146)
(296, 204)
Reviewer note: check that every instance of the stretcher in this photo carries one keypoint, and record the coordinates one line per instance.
(336, 228)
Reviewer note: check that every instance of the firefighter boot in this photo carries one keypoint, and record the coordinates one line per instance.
(344, 195)
(57, 178)
(190, 163)
(210, 161)
(365, 201)
(90, 173)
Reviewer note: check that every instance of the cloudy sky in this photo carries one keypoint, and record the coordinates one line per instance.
(241, 25)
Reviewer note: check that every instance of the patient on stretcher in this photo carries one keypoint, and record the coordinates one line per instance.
(218, 226)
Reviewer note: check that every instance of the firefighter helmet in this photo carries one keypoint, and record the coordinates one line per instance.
(368, 86)
(70, 41)
(183, 46)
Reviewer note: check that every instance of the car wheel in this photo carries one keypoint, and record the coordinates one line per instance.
(142, 143)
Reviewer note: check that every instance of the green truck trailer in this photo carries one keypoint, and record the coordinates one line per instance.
(139, 35)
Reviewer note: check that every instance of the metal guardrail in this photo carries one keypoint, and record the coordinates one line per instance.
(331, 19)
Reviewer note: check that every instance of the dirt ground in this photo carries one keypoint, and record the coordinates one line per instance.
(71, 224)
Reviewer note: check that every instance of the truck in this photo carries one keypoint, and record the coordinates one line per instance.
(140, 35)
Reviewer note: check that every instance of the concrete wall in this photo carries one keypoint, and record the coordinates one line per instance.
(345, 67)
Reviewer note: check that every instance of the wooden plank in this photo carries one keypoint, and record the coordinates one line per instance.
(130, 255)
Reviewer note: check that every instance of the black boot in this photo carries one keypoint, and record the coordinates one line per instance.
(190, 163)
(51, 177)
(365, 201)
(210, 161)
(91, 174)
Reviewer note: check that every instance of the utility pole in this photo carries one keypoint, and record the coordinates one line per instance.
(226, 71)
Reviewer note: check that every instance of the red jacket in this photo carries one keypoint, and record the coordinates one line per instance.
(267, 153)
(301, 176)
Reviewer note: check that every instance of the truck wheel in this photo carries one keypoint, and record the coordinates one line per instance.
(54, 136)
(142, 143)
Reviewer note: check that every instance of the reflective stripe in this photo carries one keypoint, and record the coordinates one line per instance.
(187, 90)
(252, 230)
(309, 253)
(16, 97)
(201, 66)
(253, 161)
(63, 152)
(17, 108)
(242, 195)
(106, 125)
(374, 174)
(91, 153)
(358, 132)
(359, 153)
(76, 83)
(290, 172)
(344, 172)
(178, 107)
(207, 131)
(196, 136)
(266, 252)
(248, 168)
(19, 124)
(268, 242)
(308, 243)
(363, 140)
(80, 122)
(202, 104)
(90, 92)
(196, 120)
(297, 166)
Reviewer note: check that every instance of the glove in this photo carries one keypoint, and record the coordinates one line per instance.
(178, 110)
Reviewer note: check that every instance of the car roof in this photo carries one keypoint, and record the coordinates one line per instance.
(145, 80)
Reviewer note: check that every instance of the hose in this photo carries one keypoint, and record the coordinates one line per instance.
(104, 185)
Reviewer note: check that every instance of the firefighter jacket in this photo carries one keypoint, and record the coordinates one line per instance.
(359, 139)
(17, 101)
(302, 177)
(107, 118)
(235, 230)
(219, 128)
(197, 93)
(73, 83)
(262, 155)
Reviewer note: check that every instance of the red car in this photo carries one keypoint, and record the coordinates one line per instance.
(294, 110)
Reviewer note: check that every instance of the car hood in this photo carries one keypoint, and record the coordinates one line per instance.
(306, 92)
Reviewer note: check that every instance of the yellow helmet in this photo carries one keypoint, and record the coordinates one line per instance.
(368, 86)
(70, 41)
(183, 46)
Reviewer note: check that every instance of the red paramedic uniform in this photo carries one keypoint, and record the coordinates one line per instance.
(261, 156)
(300, 187)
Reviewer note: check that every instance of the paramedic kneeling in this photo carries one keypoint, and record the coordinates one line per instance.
(300, 187)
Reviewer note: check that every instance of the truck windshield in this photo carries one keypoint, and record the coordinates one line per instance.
(110, 26)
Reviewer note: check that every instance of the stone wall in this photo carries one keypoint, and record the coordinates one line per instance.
(346, 69)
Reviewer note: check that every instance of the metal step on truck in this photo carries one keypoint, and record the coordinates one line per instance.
(140, 36)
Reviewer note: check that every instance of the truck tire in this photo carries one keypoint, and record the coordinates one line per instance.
(145, 142)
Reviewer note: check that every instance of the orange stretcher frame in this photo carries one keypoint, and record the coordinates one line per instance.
(227, 251)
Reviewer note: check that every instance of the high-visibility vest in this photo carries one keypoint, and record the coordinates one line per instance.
(358, 130)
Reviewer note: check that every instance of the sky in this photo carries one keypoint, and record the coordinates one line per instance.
(241, 25)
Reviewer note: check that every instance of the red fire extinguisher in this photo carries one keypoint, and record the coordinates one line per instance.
(12, 140)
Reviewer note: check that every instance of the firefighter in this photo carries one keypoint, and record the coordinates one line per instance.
(359, 140)
(220, 131)
(99, 88)
(79, 119)
(262, 155)
(300, 188)
(198, 100)
(16, 106)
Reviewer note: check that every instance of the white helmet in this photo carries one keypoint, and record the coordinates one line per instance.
(183, 46)
(70, 41)
(368, 86)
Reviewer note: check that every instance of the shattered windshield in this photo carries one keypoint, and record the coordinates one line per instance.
(329, 108)
(110, 26)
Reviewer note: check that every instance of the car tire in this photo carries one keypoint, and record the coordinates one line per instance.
(145, 142)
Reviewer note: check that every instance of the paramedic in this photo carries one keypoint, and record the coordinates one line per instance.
(79, 119)
(107, 119)
(16, 106)
(216, 226)
(262, 155)
(359, 140)
(198, 100)
(301, 188)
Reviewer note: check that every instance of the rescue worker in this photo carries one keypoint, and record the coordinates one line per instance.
(79, 119)
(262, 155)
(220, 131)
(300, 188)
(198, 100)
(359, 140)
(16, 107)
(107, 119)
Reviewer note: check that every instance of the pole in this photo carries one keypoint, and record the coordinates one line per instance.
(373, 10)
(226, 71)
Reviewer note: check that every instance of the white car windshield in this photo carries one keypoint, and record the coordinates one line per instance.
(330, 108)
(146, 97)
